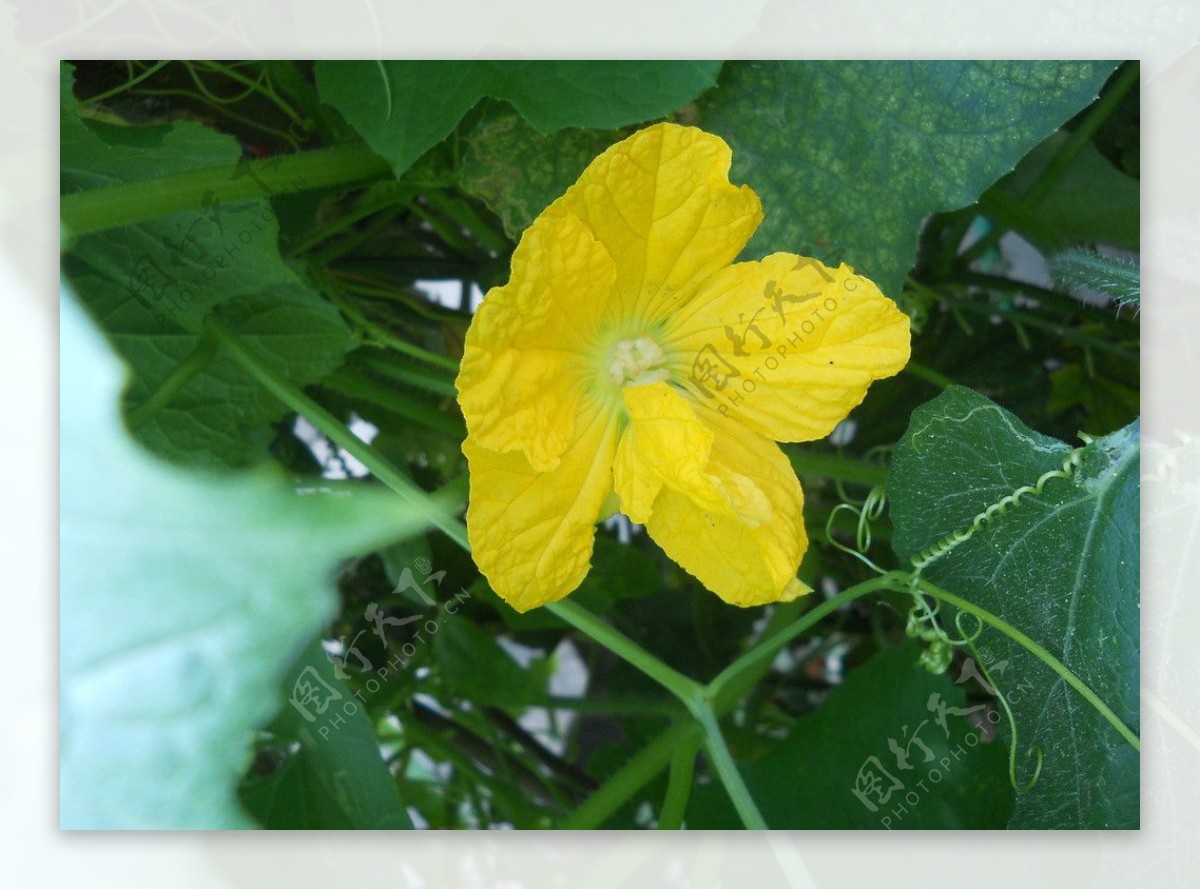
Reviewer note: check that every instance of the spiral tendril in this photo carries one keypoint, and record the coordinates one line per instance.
(1069, 465)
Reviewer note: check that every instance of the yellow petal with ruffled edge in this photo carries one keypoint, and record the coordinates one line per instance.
(748, 550)
(667, 446)
(524, 368)
(662, 204)
(786, 345)
(532, 532)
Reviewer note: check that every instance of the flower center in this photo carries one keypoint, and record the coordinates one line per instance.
(637, 361)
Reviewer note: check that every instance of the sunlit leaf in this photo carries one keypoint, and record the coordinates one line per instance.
(184, 598)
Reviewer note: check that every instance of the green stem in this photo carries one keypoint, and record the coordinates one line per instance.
(679, 786)
(722, 761)
(833, 466)
(411, 300)
(1018, 317)
(345, 221)
(1092, 122)
(1048, 298)
(359, 386)
(929, 375)
(468, 218)
(174, 382)
(633, 776)
(257, 86)
(1037, 651)
(337, 432)
(432, 380)
(149, 72)
(731, 684)
(133, 202)
(684, 688)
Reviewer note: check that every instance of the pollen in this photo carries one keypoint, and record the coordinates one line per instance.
(634, 362)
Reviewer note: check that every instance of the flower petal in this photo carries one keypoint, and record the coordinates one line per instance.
(662, 204)
(531, 532)
(786, 345)
(525, 368)
(721, 500)
(667, 445)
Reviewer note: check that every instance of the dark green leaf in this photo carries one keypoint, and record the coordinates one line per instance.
(184, 598)
(850, 157)
(403, 108)
(1090, 202)
(1060, 565)
(820, 775)
(477, 667)
(333, 775)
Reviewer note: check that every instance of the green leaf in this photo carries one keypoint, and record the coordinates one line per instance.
(475, 666)
(403, 108)
(1090, 201)
(953, 779)
(517, 171)
(152, 285)
(850, 157)
(1060, 565)
(332, 775)
(184, 598)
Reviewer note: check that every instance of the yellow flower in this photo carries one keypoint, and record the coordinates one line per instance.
(628, 362)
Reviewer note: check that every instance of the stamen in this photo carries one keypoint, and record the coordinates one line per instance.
(637, 361)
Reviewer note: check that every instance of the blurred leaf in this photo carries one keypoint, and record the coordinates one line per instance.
(1061, 566)
(850, 157)
(150, 287)
(518, 171)
(333, 775)
(403, 108)
(809, 779)
(184, 598)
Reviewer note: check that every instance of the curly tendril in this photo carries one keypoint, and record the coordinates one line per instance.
(1070, 464)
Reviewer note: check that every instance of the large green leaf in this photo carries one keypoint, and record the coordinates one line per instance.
(1059, 564)
(850, 157)
(332, 774)
(150, 287)
(403, 108)
(873, 755)
(183, 600)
